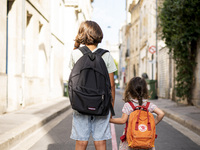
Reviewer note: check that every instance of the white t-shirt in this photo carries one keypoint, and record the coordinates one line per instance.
(108, 59)
(127, 109)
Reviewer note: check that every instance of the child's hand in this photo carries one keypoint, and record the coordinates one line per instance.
(121, 120)
(111, 120)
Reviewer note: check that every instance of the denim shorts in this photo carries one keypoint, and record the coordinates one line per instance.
(84, 125)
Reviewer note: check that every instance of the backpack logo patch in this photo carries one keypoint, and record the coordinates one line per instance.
(92, 108)
(142, 127)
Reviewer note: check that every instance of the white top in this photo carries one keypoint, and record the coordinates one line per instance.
(127, 109)
(108, 59)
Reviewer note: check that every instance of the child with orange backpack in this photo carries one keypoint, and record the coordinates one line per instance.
(137, 112)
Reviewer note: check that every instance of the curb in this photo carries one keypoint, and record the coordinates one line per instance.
(14, 136)
(183, 120)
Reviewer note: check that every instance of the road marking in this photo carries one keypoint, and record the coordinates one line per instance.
(114, 139)
(28, 142)
(190, 134)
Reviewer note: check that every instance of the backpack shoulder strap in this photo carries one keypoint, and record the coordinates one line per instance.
(84, 50)
(101, 51)
(123, 137)
(132, 105)
(147, 105)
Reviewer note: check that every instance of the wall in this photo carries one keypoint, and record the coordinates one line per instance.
(166, 67)
(196, 87)
(165, 74)
(3, 75)
(28, 53)
(40, 39)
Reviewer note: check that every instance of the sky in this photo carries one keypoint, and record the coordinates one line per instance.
(110, 15)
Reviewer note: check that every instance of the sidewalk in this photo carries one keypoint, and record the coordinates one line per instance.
(15, 126)
(188, 116)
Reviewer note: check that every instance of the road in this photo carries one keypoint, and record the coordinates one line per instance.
(56, 137)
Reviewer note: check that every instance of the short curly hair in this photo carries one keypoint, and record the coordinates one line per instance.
(89, 33)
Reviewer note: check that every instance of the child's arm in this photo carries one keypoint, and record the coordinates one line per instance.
(160, 115)
(121, 120)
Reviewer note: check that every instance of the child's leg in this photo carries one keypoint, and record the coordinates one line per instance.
(100, 145)
(81, 145)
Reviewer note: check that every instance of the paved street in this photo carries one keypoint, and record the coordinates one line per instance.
(168, 137)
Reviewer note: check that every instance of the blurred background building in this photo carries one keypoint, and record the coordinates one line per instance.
(36, 39)
(142, 50)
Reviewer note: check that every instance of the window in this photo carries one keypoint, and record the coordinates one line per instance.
(28, 18)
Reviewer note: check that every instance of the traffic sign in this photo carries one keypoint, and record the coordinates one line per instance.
(152, 49)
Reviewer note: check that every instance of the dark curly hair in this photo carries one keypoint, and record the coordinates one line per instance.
(89, 33)
(136, 89)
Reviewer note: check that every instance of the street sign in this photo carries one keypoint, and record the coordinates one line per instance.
(152, 61)
(152, 49)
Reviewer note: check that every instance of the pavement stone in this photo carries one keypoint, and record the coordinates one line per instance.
(15, 126)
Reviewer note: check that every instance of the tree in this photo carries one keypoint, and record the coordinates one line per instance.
(180, 23)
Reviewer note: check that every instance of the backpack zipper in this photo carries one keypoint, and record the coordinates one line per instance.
(102, 97)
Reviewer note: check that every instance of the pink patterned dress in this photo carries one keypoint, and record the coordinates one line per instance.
(127, 109)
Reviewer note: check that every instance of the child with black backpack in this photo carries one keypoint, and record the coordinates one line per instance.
(91, 88)
(139, 132)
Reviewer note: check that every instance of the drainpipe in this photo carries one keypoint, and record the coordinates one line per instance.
(22, 102)
(156, 46)
(7, 55)
(156, 43)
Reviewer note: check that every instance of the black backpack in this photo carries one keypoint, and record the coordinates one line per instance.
(89, 84)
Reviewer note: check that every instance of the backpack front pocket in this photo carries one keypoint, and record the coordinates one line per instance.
(88, 101)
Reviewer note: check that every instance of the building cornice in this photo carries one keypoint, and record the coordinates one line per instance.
(133, 5)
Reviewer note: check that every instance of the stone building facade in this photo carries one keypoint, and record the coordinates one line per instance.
(3, 58)
(36, 40)
(140, 35)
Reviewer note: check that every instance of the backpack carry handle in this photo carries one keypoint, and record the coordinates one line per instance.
(85, 50)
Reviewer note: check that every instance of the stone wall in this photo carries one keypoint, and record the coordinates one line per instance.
(165, 74)
(3, 75)
(196, 89)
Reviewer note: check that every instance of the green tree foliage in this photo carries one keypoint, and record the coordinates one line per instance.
(180, 23)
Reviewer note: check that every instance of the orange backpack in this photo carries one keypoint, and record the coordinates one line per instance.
(141, 131)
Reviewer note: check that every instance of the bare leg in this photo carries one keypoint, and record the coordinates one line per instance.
(81, 145)
(100, 145)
